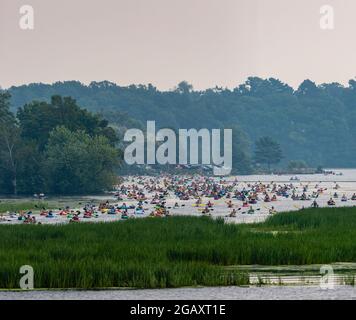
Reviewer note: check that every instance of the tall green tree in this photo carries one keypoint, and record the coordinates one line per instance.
(5, 113)
(77, 163)
(10, 146)
(38, 119)
(10, 155)
(267, 152)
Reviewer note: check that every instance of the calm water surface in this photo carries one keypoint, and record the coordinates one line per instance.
(219, 293)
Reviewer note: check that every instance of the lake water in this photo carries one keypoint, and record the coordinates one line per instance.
(218, 293)
(342, 175)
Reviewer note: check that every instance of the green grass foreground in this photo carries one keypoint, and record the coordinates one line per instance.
(172, 252)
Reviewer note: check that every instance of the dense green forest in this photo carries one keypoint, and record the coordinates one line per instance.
(313, 123)
(55, 147)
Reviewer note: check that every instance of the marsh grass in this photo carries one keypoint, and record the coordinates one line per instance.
(172, 252)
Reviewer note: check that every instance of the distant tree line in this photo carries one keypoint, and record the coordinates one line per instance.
(312, 123)
(59, 148)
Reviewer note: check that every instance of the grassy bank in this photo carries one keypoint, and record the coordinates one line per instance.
(172, 252)
(16, 206)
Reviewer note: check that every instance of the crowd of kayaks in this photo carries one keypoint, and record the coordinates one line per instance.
(147, 197)
(90, 211)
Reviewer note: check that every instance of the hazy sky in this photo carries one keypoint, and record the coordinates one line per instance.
(206, 42)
